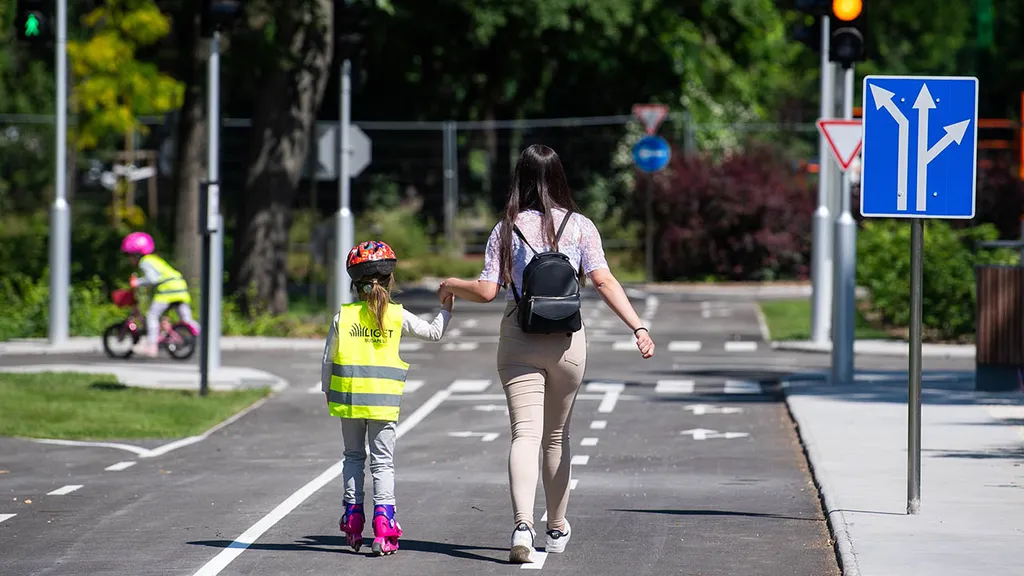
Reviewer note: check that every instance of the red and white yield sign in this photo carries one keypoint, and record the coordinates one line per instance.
(651, 115)
(844, 137)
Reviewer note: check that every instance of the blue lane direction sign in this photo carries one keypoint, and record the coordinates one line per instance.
(651, 153)
(920, 152)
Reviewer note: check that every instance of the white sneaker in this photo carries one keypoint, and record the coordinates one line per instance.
(557, 540)
(522, 544)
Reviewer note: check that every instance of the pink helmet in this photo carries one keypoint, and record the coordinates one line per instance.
(138, 243)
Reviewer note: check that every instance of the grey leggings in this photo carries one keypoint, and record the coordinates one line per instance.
(541, 374)
(156, 310)
(382, 459)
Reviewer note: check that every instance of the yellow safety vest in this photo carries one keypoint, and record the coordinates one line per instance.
(368, 376)
(172, 287)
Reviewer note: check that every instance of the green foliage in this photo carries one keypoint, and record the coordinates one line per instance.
(113, 87)
(26, 305)
(883, 267)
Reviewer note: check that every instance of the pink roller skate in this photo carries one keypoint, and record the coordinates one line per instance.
(352, 525)
(386, 530)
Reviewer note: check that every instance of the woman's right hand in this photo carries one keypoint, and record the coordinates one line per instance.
(644, 343)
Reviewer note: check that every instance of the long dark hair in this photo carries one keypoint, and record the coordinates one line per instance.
(539, 183)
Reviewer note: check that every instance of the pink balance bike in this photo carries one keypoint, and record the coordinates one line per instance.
(179, 339)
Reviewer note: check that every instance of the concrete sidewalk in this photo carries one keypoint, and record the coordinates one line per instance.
(94, 345)
(972, 473)
(881, 348)
(165, 376)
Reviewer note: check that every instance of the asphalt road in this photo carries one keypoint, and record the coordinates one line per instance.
(684, 464)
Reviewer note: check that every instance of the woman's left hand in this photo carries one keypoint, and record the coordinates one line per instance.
(644, 343)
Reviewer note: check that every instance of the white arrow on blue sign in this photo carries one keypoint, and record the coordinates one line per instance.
(920, 151)
(651, 153)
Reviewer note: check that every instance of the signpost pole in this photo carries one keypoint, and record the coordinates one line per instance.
(821, 244)
(914, 395)
(60, 212)
(344, 233)
(215, 283)
(844, 262)
(649, 229)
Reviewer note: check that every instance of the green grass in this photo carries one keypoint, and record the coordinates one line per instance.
(791, 320)
(97, 407)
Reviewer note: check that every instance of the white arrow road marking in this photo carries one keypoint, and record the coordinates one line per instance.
(923, 104)
(954, 133)
(484, 436)
(701, 409)
(882, 98)
(491, 408)
(699, 433)
(64, 490)
(6, 517)
(120, 466)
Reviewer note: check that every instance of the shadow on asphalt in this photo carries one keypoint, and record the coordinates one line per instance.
(716, 513)
(337, 545)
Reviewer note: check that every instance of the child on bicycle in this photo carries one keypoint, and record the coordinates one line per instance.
(363, 378)
(169, 288)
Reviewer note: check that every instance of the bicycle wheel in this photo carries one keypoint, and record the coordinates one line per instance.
(119, 341)
(181, 344)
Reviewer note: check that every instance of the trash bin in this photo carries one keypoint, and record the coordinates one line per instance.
(999, 328)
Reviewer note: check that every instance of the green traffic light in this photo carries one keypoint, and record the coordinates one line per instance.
(32, 25)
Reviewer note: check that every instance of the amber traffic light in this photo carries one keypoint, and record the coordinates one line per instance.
(848, 26)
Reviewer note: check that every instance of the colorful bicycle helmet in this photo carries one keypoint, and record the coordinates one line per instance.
(138, 243)
(369, 259)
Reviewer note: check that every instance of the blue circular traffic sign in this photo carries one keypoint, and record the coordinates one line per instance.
(651, 153)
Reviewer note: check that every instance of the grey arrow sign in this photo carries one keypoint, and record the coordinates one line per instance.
(325, 155)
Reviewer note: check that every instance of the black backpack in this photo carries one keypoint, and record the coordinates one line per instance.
(550, 302)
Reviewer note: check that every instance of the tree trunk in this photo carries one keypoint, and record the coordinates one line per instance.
(190, 146)
(285, 112)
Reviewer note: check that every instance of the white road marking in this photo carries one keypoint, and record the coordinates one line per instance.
(469, 385)
(412, 385)
(544, 516)
(598, 424)
(684, 346)
(702, 409)
(460, 346)
(573, 483)
(740, 346)
(64, 490)
(235, 549)
(716, 313)
(409, 346)
(622, 345)
(120, 466)
(604, 386)
(742, 387)
(454, 333)
(589, 441)
(580, 460)
(762, 323)
(484, 436)
(470, 323)
(674, 387)
(704, 434)
(609, 401)
(6, 517)
(491, 408)
(316, 388)
(126, 447)
(538, 561)
(493, 397)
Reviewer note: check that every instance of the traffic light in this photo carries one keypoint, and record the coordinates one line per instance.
(33, 21)
(848, 25)
(807, 30)
(218, 15)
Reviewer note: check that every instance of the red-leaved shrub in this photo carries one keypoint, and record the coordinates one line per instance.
(746, 217)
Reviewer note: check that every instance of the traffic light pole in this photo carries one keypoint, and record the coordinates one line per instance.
(344, 236)
(216, 283)
(845, 265)
(60, 212)
(821, 245)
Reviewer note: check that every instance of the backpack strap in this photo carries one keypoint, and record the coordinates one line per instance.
(558, 236)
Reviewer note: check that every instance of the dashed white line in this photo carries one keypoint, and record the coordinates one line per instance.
(120, 466)
(573, 483)
(624, 345)
(226, 556)
(409, 346)
(412, 385)
(538, 561)
(460, 346)
(589, 441)
(6, 517)
(684, 346)
(469, 323)
(598, 424)
(580, 460)
(740, 346)
(469, 385)
(612, 391)
(674, 387)
(742, 387)
(64, 490)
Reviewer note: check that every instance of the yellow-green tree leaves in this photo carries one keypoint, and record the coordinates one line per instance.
(111, 88)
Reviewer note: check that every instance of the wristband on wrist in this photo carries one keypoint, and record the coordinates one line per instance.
(641, 328)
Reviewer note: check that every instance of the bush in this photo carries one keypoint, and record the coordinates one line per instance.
(26, 306)
(746, 217)
(950, 255)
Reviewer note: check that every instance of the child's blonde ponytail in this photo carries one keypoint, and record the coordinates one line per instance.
(379, 297)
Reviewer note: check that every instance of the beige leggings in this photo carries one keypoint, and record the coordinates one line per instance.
(541, 374)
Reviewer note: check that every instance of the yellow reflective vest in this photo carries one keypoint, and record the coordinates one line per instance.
(172, 286)
(368, 376)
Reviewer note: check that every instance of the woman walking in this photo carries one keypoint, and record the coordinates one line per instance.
(541, 372)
